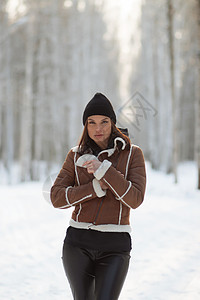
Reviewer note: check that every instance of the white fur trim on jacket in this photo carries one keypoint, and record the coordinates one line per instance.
(103, 227)
(112, 150)
(85, 157)
(101, 171)
(97, 188)
(75, 149)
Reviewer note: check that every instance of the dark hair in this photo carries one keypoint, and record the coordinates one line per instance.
(86, 143)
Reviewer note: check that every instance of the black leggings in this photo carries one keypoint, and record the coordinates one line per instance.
(94, 274)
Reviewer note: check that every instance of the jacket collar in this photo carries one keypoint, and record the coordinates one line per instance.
(108, 151)
(112, 150)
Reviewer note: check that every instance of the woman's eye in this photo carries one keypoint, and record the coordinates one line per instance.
(92, 122)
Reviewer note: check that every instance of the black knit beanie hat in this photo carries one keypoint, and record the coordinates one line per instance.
(99, 105)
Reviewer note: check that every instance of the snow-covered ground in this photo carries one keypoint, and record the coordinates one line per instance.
(165, 262)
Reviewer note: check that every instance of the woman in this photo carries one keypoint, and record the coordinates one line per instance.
(103, 178)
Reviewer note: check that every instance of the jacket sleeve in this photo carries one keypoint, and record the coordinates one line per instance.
(63, 192)
(130, 190)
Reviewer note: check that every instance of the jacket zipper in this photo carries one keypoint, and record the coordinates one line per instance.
(98, 211)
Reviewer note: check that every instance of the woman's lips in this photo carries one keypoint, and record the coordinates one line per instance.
(98, 135)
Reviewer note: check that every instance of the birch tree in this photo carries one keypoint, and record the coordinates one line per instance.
(26, 121)
(2, 24)
(198, 99)
(6, 93)
(56, 107)
(154, 77)
(9, 110)
(172, 87)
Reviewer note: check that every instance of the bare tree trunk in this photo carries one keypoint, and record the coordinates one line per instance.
(39, 114)
(2, 109)
(198, 141)
(56, 106)
(155, 140)
(9, 112)
(8, 134)
(172, 86)
(198, 101)
(26, 123)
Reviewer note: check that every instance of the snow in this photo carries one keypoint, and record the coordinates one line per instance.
(165, 261)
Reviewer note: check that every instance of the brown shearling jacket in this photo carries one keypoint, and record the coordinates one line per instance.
(106, 210)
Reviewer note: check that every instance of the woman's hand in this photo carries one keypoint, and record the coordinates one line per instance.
(92, 165)
(103, 186)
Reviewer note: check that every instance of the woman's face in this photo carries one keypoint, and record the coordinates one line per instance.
(99, 130)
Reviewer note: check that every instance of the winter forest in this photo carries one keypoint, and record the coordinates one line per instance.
(143, 55)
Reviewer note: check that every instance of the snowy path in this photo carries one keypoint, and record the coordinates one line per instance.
(165, 262)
